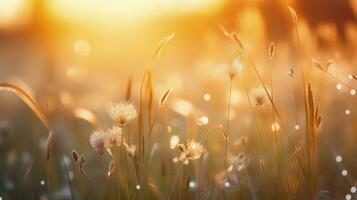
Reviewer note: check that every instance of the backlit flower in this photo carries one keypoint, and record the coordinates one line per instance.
(114, 136)
(99, 141)
(191, 151)
(259, 96)
(235, 68)
(122, 112)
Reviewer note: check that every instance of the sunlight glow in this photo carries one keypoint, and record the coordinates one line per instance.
(127, 9)
(14, 12)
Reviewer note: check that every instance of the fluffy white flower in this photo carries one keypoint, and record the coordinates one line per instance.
(99, 141)
(122, 112)
(191, 151)
(115, 136)
(235, 68)
(259, 96)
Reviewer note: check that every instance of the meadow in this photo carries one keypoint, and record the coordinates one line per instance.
(224, 114)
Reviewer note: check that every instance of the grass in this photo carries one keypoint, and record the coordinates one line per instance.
(138, 163)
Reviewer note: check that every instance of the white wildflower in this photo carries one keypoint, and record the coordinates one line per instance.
(99, 141)
(259, 96)
(122, 112)
(115, 136)
(235, 68)
(191, 151)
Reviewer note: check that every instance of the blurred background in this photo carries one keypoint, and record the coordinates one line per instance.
(71, 54)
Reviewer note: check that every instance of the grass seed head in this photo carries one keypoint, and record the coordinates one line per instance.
(293, 14)
(164, 97)
(75, 155)
(271, 50)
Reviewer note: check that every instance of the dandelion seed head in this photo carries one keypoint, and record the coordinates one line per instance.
(122, 112)
(297, 127)
(99, 141)
(115, 135)
(259, 95)
(353, 92)
(235, 68)
(138, 187)
(232, 72)
(42, 182)
(339, 86)
(191, 151)
(227, 184)
(353, 189)
(338, 159)
(344, 172)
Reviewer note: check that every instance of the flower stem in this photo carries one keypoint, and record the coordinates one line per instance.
(227, 125)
